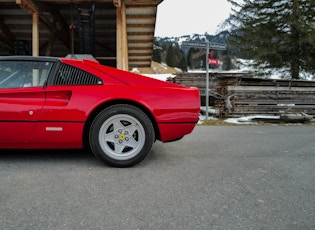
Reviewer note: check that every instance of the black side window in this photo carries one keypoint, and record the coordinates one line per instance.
(69, 75)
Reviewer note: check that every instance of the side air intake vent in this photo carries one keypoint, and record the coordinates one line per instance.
(69, 75)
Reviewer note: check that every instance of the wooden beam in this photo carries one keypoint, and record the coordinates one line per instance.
(118, 38)
(35, 35)
(37, 7)
(143, 2)
(50, 41)
(74, 1)
(63, 34)
(117, 3)
(28, 5)
(122, 44)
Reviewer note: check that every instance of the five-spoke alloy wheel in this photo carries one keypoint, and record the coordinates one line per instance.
(121, 135)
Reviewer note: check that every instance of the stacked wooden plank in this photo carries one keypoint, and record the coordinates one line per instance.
(243, 94)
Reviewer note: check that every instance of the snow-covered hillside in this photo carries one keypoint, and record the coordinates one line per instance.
(221, 37)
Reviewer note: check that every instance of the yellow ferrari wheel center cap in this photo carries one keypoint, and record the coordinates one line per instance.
(121, 137)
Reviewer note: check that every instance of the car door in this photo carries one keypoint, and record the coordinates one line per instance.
(22, 97)
(64, 112)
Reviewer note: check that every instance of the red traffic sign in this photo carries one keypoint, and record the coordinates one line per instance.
(212, 61)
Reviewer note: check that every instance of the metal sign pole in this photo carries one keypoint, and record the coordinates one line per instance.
(207, 82)
(205, 45)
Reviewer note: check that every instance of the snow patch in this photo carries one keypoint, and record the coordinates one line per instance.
(162, 77)
(250, 119)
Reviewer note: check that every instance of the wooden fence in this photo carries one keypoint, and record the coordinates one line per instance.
(242, 94)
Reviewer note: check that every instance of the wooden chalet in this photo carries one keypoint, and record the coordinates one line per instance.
(117, 33)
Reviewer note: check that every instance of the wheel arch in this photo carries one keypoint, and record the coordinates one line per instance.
(103, 106)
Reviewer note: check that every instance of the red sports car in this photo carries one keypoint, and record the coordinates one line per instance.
(60, 103)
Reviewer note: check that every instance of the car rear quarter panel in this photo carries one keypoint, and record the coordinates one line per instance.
(166, 104)
(174, 110)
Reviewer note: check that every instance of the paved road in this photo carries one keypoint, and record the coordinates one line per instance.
(216, 178)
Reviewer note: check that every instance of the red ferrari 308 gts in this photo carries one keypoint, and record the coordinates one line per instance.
(59, 103)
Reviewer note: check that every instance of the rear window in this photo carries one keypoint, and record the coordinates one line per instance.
(69, 75)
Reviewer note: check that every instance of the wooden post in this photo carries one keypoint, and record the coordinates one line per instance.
(35, 34)
(32, 8)
(117, 3)
(121, 38)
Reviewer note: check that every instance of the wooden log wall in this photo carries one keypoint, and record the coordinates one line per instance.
(238, 94)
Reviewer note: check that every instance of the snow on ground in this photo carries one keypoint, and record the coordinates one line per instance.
(240, 120)
(162, 77)
(254, 119)
(251, 119)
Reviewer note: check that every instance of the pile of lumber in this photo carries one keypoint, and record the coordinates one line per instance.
(243, 94)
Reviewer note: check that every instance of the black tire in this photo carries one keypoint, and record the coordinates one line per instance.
(121, 135)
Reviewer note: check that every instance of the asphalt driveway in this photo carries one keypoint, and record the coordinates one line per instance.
(244, 177)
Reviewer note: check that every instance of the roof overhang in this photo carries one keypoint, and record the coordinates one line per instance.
(57, 39)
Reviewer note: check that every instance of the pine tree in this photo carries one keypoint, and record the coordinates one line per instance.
(164, 52)
(276, 33)
(170, 56)
(182, 63)
(157, 52)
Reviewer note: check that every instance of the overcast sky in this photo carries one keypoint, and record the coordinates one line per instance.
(185, 17)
